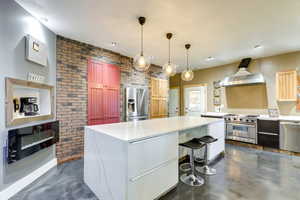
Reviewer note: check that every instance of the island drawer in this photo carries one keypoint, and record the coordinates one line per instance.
(147, 154)
(155, 182)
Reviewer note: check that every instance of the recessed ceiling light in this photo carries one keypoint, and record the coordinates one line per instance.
(113, 44)
(258, 46)
(210, 58)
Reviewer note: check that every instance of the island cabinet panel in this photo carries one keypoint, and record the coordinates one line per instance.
(155, 183)
(103, 93)
(159, 151)
(286, 85)
(216, 130)
(159, 98)
(150, 176)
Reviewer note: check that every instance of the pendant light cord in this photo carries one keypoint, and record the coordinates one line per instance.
(169, 51)
(142, 40)
(187, 60)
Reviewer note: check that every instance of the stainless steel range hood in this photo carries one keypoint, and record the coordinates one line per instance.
(243, 77)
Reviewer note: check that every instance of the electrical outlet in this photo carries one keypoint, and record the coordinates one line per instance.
(35, 77)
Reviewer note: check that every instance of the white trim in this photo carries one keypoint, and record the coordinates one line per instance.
(23, 182)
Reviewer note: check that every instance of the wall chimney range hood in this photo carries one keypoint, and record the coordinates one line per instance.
(242, 76)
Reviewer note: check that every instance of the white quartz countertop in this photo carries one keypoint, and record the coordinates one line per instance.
(138, 130)
(262, 117)
(281, 118)
(216, 114)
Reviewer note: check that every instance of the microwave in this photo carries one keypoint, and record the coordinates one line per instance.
(26, 141)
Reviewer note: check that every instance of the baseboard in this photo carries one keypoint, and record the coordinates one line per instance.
(255, 146)
(25, 181)
(71, 158)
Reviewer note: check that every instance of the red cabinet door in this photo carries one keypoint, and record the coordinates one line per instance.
(103, 93)
(95, 93)
(112, 76)
(112, 105)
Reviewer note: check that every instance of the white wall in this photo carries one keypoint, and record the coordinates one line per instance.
(15, 23)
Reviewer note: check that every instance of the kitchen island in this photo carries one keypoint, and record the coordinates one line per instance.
(139, 160)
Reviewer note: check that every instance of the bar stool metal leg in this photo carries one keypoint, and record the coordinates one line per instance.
(185, 167)
(206, 169)
(198, 158)
(192, 179)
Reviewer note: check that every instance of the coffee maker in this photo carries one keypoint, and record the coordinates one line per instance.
(29, 106)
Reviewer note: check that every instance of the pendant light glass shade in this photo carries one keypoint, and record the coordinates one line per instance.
(188, 74)
(169, 68)
(141, 62)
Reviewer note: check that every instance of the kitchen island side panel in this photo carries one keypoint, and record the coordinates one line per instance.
(105, 165)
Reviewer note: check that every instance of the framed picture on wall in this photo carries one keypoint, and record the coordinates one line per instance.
(217, 101)
(36, 51)
(217, 92)
(217, 84)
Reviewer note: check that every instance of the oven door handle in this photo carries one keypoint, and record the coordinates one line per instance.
(267, 133)
(233, 124)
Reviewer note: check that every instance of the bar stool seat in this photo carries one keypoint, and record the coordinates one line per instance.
(185, 167)
(192, 179)
(193, 144)
(207, 139)
(206, 169)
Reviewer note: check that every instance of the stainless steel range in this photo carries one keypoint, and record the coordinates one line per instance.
(241, 128)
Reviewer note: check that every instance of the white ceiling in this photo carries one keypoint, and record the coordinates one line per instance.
(224, 29)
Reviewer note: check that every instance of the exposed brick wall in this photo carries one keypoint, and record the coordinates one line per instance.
(71, 91)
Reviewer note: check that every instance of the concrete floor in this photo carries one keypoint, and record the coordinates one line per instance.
(244, 174)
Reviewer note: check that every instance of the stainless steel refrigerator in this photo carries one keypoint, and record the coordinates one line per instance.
(136, 103)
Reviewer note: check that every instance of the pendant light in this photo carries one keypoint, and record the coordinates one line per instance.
(188, 74)
(141, 62)
(169, 68)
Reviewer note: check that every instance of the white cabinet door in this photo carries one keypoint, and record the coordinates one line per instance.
(154, 183)
(216, 130)
(147, 154)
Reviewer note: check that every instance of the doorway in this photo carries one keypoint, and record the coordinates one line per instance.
(195, 99)
(174, 102)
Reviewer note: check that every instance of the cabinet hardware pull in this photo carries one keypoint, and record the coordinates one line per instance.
(266, 133)
(147, 139)
(244, 125)
(152, 170)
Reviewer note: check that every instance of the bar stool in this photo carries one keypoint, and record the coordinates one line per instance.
(192, 179)
(185, 167)
(206, 169)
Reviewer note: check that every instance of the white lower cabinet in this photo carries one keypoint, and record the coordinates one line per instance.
(154, 183)
(147, 154)
(216, 130)
(152, 167)
(138, 170)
